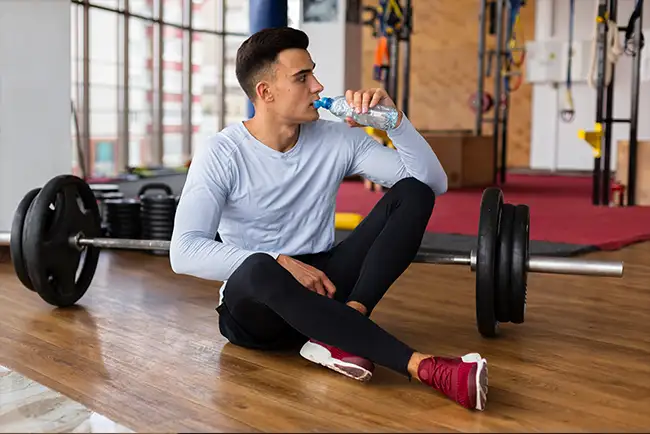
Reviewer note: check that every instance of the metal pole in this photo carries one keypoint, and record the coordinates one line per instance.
(586, 267)
(122, 68)
(443, 258)
(600, 86)
(393, 70)
(497, 87)
(634, 111)
(221, 59)
(188, 77)
(118, 243)
(406, 37)
(157, 137)
(536, 264)
(609, 115)
(478, 127)
(125, 134)
(506, 94)
(86, 94)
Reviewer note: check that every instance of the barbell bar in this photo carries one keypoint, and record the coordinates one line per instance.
(536, 264)
(54, 225)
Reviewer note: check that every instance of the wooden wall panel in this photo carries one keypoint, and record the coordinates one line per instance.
(444, 70)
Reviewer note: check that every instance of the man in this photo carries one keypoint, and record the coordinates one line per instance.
(268, 185)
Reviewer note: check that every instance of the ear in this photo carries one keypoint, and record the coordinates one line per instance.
(263, 91)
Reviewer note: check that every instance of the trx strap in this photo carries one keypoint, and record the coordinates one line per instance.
(630, 49)
(389, 17)
(568, 112)
(513, 25)
(381, 59)
(613, 48)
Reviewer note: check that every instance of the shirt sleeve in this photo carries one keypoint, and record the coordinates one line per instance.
(193, 249)
(413, 157)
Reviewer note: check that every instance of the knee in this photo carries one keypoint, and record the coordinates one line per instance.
(261, 276)
(416, 193)
(255, 269)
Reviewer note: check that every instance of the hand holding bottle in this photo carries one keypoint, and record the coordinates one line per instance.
(370, 107)
(363, 100)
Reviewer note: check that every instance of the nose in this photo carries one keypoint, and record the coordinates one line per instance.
(316, 86)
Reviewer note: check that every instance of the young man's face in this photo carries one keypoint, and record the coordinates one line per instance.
(294, 88)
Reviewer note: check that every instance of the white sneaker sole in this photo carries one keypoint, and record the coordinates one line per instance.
(481, 378)
(321, 355)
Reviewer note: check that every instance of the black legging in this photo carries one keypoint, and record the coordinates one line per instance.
(265, 307)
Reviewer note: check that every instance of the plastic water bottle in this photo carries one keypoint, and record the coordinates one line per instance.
(380, 116)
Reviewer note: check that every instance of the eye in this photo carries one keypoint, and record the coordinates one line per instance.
(302, 77)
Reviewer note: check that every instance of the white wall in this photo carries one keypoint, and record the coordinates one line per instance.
(554, 143)
(335, 46)
(35, 121)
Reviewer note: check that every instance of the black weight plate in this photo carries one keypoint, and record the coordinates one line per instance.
(518, 278)
(159, 206)
(504, 264)
(486, 258)
(123, 202)
(52, 262)
(159, 225)
(158, 221)
(167, 221)
(104, 188)
(158, 213)
(155, 186)
(16, 241)
(157, 234)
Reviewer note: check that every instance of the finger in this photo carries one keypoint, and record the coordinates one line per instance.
(318, 285)
(365, 100)
(329, 287)
(349, 97)
(377, 97)
(358, 99)
(312, 282)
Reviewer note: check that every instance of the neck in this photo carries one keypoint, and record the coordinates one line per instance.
(272, 132)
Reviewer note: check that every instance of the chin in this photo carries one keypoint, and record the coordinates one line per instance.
(310, 116)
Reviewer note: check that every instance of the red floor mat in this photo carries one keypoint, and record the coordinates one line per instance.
(560, 208)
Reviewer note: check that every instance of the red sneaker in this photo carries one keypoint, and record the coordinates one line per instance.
(463, 379)
(338, 360)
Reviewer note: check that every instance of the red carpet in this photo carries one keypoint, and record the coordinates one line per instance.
(560, 211)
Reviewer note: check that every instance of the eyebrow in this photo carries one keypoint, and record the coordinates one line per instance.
(302, 71)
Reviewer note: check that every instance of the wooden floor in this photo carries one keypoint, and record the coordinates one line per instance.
(144, 349)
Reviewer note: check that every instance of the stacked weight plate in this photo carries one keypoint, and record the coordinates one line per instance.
(157, 212)
(104, 192)
(123, 218)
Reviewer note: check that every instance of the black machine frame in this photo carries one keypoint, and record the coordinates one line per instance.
(608, 11)
(399, 37)
(498, 11)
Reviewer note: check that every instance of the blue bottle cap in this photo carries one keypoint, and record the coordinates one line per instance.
(324, 102)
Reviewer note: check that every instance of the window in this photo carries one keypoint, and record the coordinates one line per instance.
(173, 11)
(206, 88)
(149, 103)
(104, 69)
(140, 91)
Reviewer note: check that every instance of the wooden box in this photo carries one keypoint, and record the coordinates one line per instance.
(642, 196)
(467, 158)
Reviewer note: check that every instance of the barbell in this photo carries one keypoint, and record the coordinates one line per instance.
(55, 241)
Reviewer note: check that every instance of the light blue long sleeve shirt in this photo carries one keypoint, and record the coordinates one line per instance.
(263, 200)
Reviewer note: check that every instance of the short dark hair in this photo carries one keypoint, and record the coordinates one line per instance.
(261, 50)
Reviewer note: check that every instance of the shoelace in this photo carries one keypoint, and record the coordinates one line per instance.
(440, 375)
